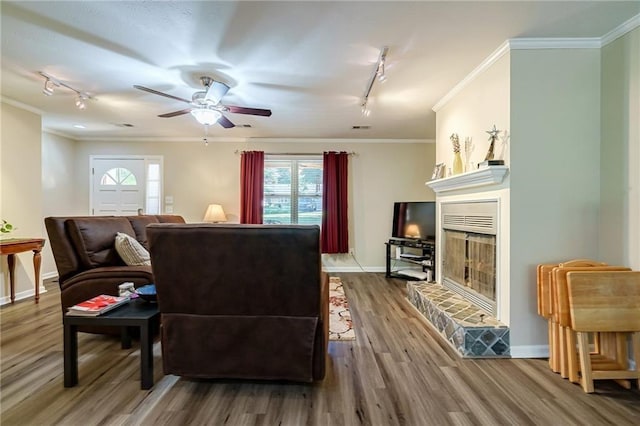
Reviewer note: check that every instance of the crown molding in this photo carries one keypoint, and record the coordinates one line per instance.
(20, 105)
(555, 43)
(621, 30)
(59, 133)
(125, 139)
(242, 140)
(539, 43)
(339, 140)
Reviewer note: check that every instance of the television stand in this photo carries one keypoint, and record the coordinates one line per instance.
(411, 259)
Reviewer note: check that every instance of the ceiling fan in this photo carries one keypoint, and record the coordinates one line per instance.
(206, 106)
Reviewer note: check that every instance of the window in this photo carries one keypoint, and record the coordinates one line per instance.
(293, 190)
(118, 176)
(154, 184)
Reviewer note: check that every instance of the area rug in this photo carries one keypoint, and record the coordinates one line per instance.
(340, 326)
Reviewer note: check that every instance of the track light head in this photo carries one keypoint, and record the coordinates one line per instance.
(365, 109)
(48, 87)
(80, 101)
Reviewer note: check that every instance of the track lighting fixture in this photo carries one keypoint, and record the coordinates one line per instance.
(51, 83)
(379, 75)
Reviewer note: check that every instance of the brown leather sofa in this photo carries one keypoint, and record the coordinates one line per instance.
(86, 259)
(241, 301)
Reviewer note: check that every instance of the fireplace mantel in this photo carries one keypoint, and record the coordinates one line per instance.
(487, 176)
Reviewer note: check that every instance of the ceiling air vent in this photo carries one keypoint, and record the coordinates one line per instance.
(360, 127)
(244, 126)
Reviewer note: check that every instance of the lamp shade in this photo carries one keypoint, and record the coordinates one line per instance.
(206, 116)
(215, 213)
(412, 231)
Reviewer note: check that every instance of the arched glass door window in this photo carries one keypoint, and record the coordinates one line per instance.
(118, 176)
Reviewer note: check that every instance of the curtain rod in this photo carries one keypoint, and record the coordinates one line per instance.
(296, 153)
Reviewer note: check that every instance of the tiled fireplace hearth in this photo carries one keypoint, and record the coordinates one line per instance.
(467, 328)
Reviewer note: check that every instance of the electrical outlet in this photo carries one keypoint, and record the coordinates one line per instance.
(352, 251)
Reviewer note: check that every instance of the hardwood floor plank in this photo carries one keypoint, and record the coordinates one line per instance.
(398, 371)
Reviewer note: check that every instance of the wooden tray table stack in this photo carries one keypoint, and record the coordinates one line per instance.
(609, 359)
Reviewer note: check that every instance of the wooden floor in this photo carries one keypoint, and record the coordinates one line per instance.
(397, 372)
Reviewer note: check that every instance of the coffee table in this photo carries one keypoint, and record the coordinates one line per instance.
(135, 313)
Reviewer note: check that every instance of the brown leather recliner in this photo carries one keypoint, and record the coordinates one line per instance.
(241, 301)
(87, 262)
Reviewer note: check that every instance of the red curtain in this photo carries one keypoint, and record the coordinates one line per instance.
(252, 191)
(335, 234)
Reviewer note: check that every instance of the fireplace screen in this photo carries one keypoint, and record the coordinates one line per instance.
(470, 261)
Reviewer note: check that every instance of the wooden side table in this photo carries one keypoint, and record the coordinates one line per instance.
(13, 246)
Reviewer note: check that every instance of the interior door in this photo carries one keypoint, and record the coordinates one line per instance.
(118, 186)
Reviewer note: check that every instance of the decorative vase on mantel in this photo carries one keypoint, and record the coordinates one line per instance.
(457, 160)
(457, 164)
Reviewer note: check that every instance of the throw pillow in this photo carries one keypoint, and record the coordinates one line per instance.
(131, 251)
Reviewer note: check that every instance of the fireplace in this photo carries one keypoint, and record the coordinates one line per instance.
(469, 239)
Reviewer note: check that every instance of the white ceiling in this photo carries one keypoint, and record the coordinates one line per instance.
(309, 62)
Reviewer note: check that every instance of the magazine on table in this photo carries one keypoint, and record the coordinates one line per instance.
(97, 305)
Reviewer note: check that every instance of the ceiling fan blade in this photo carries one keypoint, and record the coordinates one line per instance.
(155, 92)
(216, 91)
(175, 113)
(224, 122)
(251, 111)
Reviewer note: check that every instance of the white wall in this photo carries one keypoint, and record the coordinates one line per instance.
(620, 152)
(21, 191)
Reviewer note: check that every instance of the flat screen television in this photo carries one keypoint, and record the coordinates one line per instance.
(414, 220)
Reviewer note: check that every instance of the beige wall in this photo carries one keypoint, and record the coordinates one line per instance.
(21, 191)
(482, 103)
(59, 192)
(620, 152)
(197, 175)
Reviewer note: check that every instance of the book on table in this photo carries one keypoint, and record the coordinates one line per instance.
(97, 305)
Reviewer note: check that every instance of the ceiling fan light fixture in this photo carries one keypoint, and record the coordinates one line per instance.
(206, 116)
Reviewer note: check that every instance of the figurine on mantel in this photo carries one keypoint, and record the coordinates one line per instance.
(493, 135)
(468, 150)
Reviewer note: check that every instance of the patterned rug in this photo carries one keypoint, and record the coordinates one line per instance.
(340, 326)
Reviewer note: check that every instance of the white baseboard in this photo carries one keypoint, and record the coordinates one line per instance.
(49, 275)
(6, 300)
(530, 351)
(354, 269)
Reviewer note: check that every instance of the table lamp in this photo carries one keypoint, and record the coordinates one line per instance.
(412, 231)
(215, 214)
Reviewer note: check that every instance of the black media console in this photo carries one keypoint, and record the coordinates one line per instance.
(411, 259)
